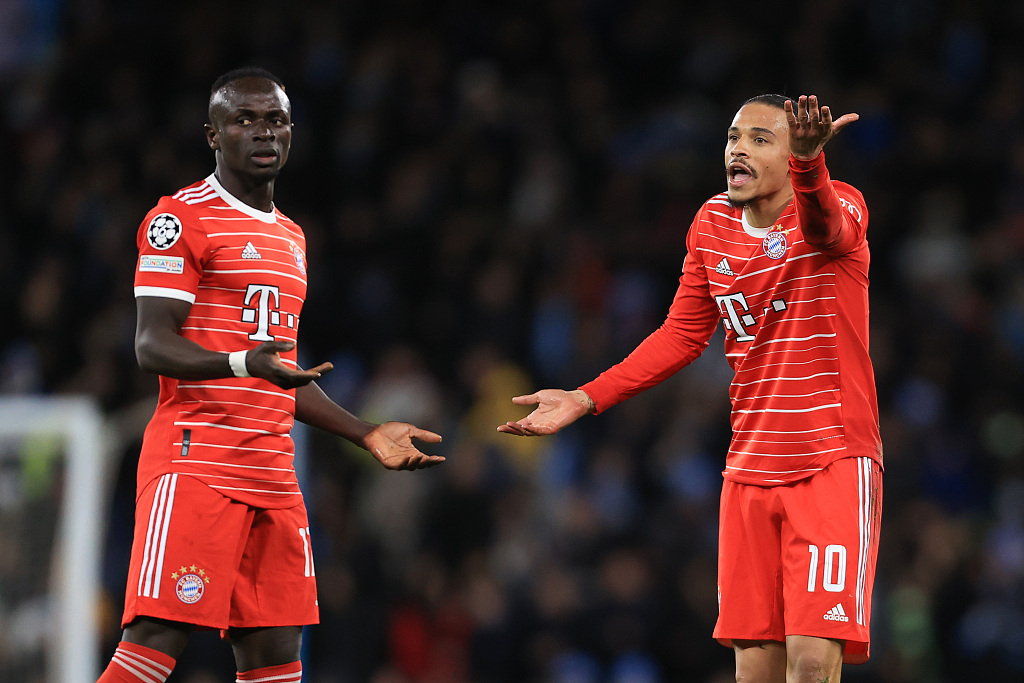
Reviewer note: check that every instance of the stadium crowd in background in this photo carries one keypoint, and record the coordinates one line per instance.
(493, 198)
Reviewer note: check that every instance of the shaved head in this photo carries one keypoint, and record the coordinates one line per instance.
(228, 86)
(250, 131)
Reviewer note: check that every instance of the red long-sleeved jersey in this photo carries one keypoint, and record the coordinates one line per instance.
(244, 273)
(794, 302)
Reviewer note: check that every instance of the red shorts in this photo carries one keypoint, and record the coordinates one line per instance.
(201, 558)
(799, 560)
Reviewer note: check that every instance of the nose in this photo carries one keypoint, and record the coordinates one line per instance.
(263, 131)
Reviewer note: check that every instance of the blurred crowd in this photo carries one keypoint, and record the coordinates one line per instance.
(496, 197)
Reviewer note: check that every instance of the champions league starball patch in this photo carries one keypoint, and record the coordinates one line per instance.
(191, 584)
(164, 231)
(775, 244)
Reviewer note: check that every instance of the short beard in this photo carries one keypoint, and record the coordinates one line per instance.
(736, 203)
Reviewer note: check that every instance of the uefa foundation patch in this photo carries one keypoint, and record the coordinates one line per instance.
(161, 264)
(191, 584)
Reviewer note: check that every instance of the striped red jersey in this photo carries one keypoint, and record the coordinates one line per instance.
(793, 299)
(244, 272)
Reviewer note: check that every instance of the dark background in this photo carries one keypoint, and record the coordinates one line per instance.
(495, 198)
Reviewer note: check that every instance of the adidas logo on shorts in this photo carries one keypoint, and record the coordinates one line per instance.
(837, 613)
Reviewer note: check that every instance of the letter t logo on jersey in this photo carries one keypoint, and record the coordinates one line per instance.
(737, 319)
(262, 315)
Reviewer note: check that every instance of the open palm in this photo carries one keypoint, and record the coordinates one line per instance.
(555, 409)
(391, 443)
(811, 126)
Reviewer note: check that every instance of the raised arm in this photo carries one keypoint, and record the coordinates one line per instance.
(823, 220)
(811, 126)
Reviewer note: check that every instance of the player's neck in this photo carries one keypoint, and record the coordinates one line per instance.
(763, 212)
(259, 193)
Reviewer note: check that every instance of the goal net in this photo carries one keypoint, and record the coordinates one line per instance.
(52, 511)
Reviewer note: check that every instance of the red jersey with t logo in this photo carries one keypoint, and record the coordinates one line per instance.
(244, 272)
(796, 319)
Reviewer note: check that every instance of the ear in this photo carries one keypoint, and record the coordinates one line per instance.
(212, 136)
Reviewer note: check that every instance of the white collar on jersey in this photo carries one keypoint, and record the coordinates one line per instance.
(759, 233)
(236, 203)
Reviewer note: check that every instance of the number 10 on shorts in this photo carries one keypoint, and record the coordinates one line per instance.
(835, 563)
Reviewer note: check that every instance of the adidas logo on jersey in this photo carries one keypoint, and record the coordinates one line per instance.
(837, 613)
(723, 268)
(250, 252)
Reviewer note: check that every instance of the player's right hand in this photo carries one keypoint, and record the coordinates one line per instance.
(264, 361)
(556, 408)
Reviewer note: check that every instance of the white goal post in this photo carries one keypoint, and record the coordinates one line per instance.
(71, 606)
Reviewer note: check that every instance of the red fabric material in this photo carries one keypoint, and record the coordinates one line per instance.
(282, 673)
(201, 558)
(786, 568)
(246, 279)
(793, 300)
(133, 663)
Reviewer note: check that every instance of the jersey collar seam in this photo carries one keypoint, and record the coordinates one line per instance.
(269, 217)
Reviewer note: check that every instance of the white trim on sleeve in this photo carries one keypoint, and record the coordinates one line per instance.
(166, 293)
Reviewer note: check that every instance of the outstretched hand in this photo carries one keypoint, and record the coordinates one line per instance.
(810, 127)
(264, 361)
(556, 409)
(391, 443)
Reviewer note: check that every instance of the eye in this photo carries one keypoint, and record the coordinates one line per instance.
(243, 120)
(760, 140)
(733, 137)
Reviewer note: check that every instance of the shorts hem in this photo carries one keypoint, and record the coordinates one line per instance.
(276, 623)
(727, 641)
(861, 651)
(222, 626)
(127, 619)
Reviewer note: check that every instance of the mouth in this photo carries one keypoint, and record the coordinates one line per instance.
(738, 174)
(264, 157)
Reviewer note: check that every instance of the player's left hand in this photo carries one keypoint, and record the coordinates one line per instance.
(811, 126)
(391, 443)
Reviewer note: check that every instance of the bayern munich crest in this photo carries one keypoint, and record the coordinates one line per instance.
(164, 230)
(191, 584)
(300, 260)
(775, 244)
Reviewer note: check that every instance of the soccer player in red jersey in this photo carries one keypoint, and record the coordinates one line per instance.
(781, 258)
(221, 535)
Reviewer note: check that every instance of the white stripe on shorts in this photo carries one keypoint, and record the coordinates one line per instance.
(864, 469)
(304, 533)
(156, 537)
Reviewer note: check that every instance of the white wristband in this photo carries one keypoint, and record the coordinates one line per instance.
(236, 359)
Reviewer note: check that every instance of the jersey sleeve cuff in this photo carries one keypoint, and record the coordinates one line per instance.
(603, 400)
(166, 293)
(808, 174)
